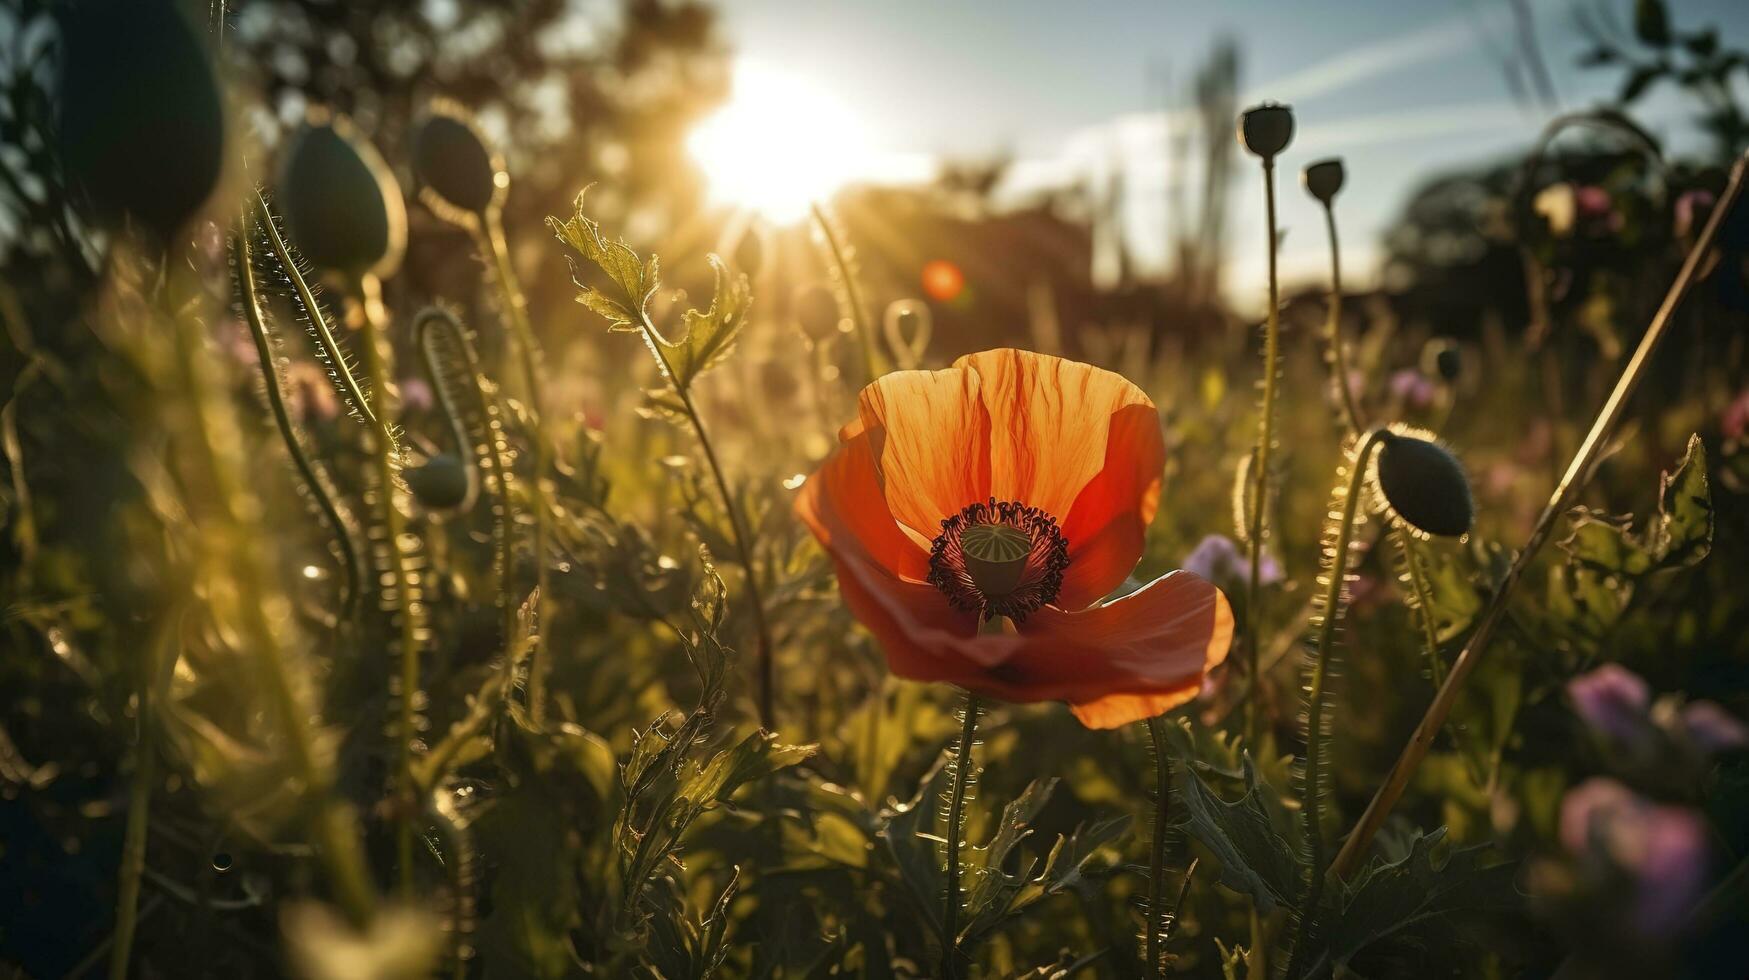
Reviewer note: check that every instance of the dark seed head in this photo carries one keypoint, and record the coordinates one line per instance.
(451, 159)
(1267, 129)
(341, 203)
(1441, 356)
(141, 121)
(1323, 179)
(441, 484)
(1424, 485)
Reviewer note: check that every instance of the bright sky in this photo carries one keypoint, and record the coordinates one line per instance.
(1399, 88)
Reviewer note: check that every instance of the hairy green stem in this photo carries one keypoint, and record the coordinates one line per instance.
(1566, 492)
(737, 529)
(1423, 611)
(1333, 330)
(490, 233)
(950, 910)
(491, 449)
(1312, 805)
(1260, 467)
(871, 358)
(315, 481)
(1156, 919)
(367, 292)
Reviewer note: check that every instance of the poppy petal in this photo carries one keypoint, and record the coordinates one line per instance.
(931, 439)
(1050, 419)
(1106, 526)
(924, 638)
(844, 507)
(1146, 650)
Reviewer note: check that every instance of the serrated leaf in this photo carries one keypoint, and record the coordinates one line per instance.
(710, 335)
(1683, 534)
(1414, 898)
(909, 831)
(1680, 535)
(1254, 859)
(759, 754)
(635, 279)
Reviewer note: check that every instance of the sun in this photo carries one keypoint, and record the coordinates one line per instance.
(780, 144)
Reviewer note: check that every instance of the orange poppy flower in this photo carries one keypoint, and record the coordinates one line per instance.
(1019, 485)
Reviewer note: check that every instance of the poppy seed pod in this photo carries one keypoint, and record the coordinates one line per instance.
(1323, 179)
(452, 161)
(341, 203)
(441, 484)
(1442, 357)
(1424, 485)
(1267, 129)
(141, 121)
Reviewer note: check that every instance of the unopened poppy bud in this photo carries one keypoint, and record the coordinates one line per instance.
(141, 123)
(750, 253)
(1323, 179)
(452, 161)
(1441, 356)
(1424, 485)
(441, 484)
(1267, 129)
(341, 203)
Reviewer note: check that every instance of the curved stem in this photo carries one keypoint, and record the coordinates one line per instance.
(367, 292)
(1156, 918)
(491, 231)
(1577, 475)
(1338, 354)
(737, 530)
(950, 911)
(315, 481)
(1260, 466)
(871, 359)
(1423, 611)
(1312, 806)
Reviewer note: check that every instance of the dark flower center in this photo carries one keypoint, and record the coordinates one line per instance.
(999, 559)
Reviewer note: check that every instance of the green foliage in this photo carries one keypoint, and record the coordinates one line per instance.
(1255, 859)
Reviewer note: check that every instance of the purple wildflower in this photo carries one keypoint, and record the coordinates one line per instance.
(1611, 699)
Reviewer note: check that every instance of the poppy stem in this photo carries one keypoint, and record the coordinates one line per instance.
(1578, 473)
(399, 581)
(737, 530)
(490, 232)
(871, 359)
(1312, 804)
(962, 768)
(1260, 466)
(1157, 912)
(1338, 355)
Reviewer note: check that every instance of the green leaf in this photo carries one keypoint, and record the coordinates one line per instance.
(634, 280)
(710, 335)
(910, 833)
(1414, 899)
(1679, 536)
(1255, 860)
(1683, 534)
(1638, 81)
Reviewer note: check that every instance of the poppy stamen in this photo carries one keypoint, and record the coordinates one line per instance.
(999, 558)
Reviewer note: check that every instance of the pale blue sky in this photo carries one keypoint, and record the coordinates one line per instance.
(1399, 89)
